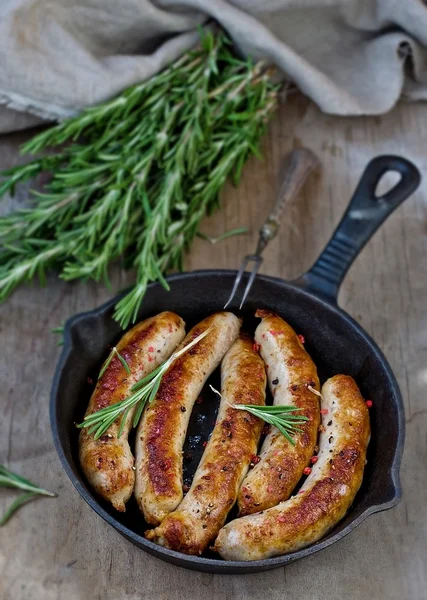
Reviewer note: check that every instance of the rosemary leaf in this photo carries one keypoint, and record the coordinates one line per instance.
(154, 390)
(17, 503)
(123, 420)
(138, 412)
(106, 364)
(142, 382)
(114, 352)
(223, 236)
(59, 331)
(12, 480)
(123, 361)
(279, 409)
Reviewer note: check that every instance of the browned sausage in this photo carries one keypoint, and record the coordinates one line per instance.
(225, 461)
(290, 372)
(108, 462)
(327, 493)
(161, 433)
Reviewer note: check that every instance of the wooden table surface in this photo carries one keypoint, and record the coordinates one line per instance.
(59, 549)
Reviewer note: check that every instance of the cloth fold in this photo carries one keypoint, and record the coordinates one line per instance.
(351, 57)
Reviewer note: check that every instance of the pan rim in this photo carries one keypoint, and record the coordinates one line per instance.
(211, 564)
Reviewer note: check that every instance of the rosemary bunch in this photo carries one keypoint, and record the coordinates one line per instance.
(132, 178)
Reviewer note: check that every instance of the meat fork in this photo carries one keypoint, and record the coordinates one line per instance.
(301, 163)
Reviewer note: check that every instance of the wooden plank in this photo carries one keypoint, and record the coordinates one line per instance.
(59, 549)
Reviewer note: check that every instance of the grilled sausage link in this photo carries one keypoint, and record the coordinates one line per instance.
(290, 371)
(327, 493)
(225, 461)
(108, 462)
(162, 430)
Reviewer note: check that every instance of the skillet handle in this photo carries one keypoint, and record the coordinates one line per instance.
(365, 213)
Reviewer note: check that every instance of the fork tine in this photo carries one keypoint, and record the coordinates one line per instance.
(250, 282)
(238, 279)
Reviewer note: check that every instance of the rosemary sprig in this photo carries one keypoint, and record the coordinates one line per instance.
(10, 479)
(114, 352)
(151, 165)
(143, 391)
(282, 417)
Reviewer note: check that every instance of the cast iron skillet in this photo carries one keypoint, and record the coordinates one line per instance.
(334, 340)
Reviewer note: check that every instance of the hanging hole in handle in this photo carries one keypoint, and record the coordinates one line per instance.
(388, 181)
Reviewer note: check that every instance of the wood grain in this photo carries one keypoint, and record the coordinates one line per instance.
(59, 549)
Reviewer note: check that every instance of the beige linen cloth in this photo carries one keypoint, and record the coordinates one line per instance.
(350, 56)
